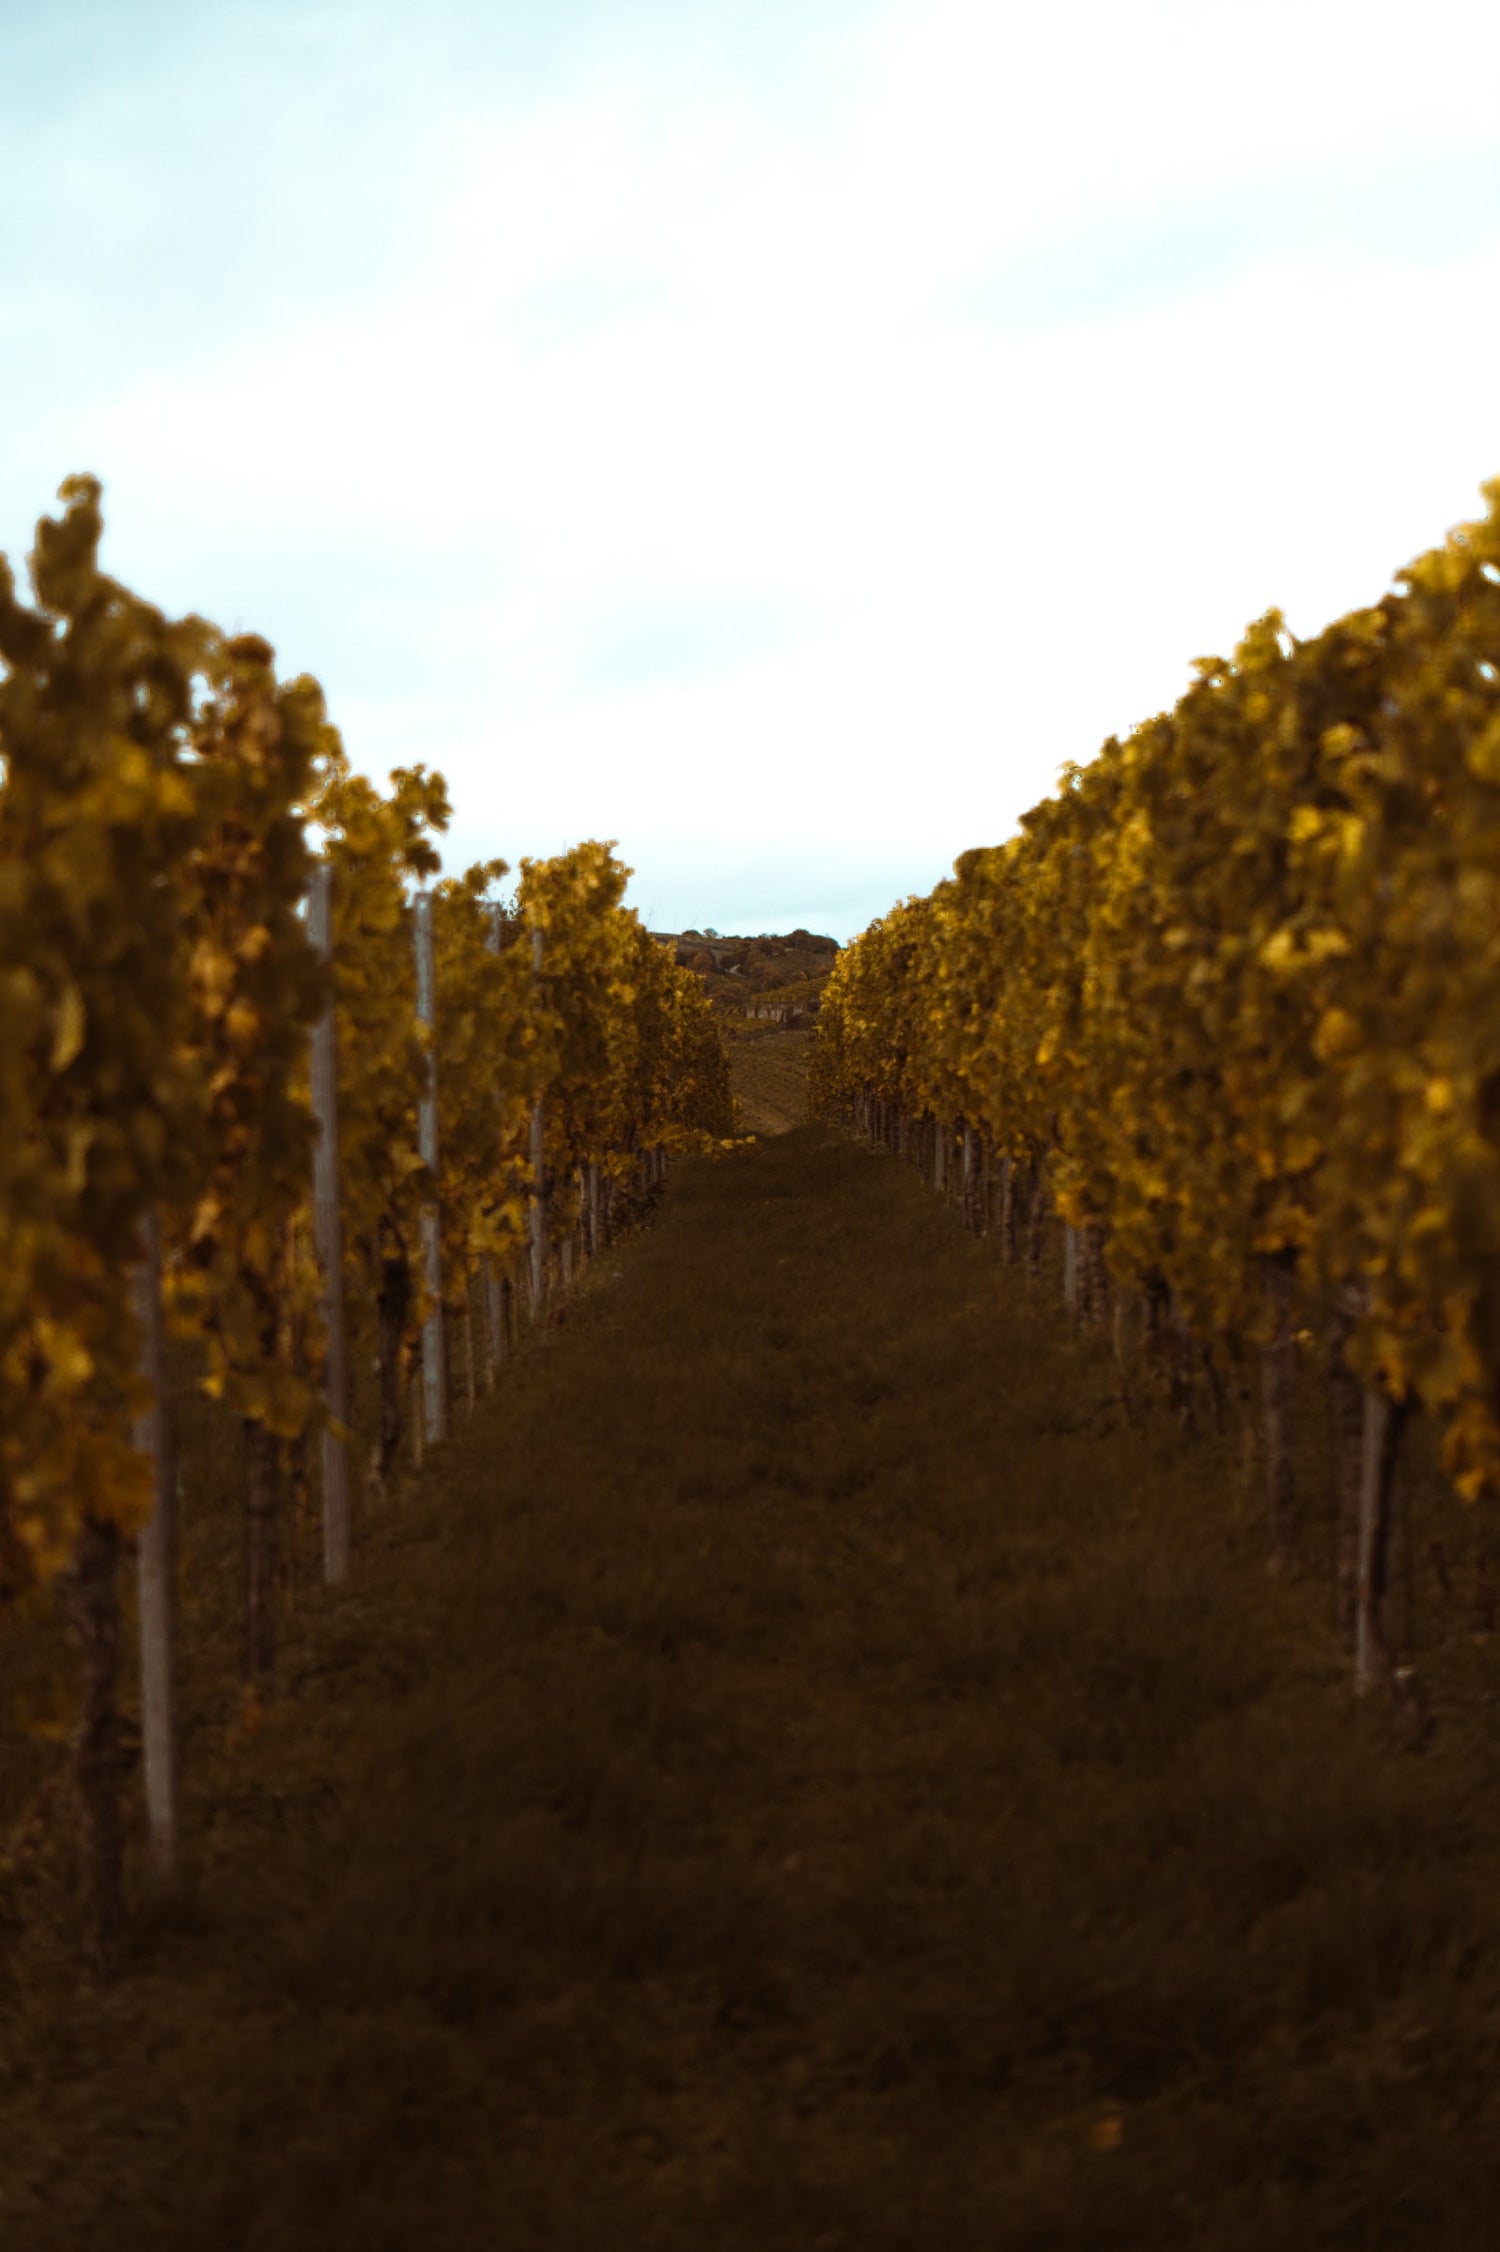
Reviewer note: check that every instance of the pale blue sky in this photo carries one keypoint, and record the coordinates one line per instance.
(775, 434)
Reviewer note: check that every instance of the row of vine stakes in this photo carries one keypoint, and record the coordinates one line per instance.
(156, 1559)
(1229, 1005)
(205, 870)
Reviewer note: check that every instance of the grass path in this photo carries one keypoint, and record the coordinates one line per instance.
(795, 1775)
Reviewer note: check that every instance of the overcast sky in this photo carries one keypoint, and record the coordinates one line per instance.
(774, 433)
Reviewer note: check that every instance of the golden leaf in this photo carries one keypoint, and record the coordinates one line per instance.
(242, 1026)
(70, 1027)
(1337, 1035)
(1483, 755)
(255, 943)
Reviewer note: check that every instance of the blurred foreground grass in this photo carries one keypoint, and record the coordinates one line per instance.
(793, 1772)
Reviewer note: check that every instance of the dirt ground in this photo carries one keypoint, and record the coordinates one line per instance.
(793, 1772)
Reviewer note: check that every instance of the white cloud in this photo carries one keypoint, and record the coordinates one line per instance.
(678, 487)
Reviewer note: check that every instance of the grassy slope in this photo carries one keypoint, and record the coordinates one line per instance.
(796, 1774)
(784, 972)
(767, 1069)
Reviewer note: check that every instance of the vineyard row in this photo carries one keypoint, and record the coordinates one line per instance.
(1228, 1006)
(267, 1084)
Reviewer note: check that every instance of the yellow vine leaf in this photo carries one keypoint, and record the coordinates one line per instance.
(70, 1028)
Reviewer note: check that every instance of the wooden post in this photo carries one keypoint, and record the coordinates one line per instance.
(1093, 1279)
(328, 1234)
(489, 1282)
(1383, 1419)
(434, 1341)
(1348, 1451)
(262, 1512)
(1122, 1365)
(1036, 1219)
(94, 1621)
(940, 1156)
(538, 1177)
(1277, 1377)
(156, 1570)
(1182, 1368)
(495, 1315)
(1070, 1268)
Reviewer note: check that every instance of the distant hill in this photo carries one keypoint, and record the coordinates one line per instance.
(775, 978)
